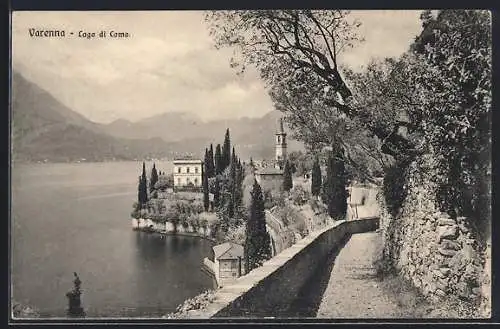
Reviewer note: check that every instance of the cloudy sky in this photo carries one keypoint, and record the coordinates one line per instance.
(167, 64)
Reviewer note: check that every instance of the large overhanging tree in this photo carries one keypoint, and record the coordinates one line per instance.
(296, 52)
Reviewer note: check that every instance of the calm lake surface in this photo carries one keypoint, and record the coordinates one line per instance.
(69, 218)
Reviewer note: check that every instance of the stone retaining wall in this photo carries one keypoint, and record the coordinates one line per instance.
(275, 285)
(440, 255)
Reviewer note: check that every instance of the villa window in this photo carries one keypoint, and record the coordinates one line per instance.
(196, 181)
(178, 181)
(196, 170)
(179, 170)
(187, 170)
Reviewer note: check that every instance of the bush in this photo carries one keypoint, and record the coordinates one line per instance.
(394, 188)
(299, 195)
(195, 303)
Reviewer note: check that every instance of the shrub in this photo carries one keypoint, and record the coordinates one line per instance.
(394, 188)
(299, 195)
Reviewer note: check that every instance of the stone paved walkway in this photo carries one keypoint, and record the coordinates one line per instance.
(353, 290)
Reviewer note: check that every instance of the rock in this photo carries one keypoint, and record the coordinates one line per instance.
(445, 221)
(451, 245)
(447, 232)
(447, 252)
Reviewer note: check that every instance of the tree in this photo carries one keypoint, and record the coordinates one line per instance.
(206, 199)
(335, 185)
(216, 192)
(142, 196)
(296, 52)
(287, 177)
(316, 178)
(219, 162)
(257, 244)
(226, 151)
(211, 165)
(153, 179)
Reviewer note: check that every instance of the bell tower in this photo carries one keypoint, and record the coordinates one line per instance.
(280, 145)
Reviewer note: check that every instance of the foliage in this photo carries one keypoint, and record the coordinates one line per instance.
(287, 177)
(198, 302)
(299, 195)
(164, 181)
(394, 188)
(335, 186)
(273, 199)
(226, 151)
(258, 241)
(219, 161)
(142, 189)
(316, 178)
(296, 52)
(153, 179)
(205, 173)
(24, 311)
(209, 162)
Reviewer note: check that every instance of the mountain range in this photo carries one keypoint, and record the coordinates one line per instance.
(43, 129)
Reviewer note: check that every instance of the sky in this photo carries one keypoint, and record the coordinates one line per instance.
(167, 64)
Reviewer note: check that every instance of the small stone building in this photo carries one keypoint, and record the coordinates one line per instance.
(270, 178)
(228, 262)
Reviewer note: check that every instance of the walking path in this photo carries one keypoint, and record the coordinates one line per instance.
(353, 290)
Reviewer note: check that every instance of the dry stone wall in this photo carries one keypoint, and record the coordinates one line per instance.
(440, 255)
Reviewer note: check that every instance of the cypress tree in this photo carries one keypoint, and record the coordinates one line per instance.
(334, 187)
(206, 200)
(257, 244)
(140, 198)
(216, 192)
(153, 179)
(143, 199)
(219, 165)
(226, 151)
(287, 177)
(316, 178)
(211, 165)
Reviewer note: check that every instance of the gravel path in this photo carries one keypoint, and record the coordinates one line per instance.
(353, 290)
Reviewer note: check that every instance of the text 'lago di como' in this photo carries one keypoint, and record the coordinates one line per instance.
(83, 34)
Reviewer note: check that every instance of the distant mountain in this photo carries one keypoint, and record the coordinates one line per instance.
(253, 137)
(45, 129)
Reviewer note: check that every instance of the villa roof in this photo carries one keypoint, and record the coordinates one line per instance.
(228, 250)
(187, 160)
(269, 171)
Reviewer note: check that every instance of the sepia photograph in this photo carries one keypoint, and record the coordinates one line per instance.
(326, 165)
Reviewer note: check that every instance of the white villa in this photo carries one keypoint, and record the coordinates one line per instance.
(187, 173)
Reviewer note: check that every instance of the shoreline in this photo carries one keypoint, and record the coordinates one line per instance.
(191, 234)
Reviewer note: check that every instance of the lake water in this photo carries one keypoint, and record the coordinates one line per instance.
(69, 218)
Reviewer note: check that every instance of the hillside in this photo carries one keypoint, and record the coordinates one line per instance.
(45, 129)
(253, 137)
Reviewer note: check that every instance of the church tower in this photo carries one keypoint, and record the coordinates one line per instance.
(280, 146)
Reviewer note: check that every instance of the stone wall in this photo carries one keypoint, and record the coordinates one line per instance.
(169, 228)
(440, 255)
(268, 289)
